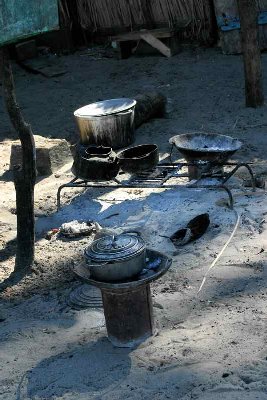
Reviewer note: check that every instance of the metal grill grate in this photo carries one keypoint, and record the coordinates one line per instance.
(161, 175)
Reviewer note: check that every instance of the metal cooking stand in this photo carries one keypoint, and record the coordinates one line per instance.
(169, 170)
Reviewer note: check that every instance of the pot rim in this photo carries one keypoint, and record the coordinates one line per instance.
(154, 148)
(127, 104)
(92, 147)
(125, 113)
(236, 144)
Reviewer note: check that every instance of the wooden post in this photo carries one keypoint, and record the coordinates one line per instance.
(24, 176)
(251, 52)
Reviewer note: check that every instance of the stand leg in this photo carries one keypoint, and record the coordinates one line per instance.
(125, 49)
(59, 191)
(253, 183)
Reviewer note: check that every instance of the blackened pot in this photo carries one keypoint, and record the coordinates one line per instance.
(95, 163)
(139, 158)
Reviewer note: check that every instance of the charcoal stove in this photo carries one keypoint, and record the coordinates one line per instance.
(206, 153)
(128, 304)
(206, 156)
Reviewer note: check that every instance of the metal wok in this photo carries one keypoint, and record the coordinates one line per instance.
(208, 147)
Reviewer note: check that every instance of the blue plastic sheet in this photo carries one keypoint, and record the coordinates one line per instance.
(230, 23)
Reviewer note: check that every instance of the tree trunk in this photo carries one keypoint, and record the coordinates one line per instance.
(149, 105)
(251, 52)
(24, 176)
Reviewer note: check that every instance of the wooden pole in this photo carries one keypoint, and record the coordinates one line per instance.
(24, 176)
(251, 52)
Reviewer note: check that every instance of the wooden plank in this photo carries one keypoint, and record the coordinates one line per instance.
(156, 43)
(47, 67)
(21, 19)
(135, 35)
(159, 33)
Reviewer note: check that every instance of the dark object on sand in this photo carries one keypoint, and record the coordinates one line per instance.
(208, 147)
(194, 230)
(139, 158)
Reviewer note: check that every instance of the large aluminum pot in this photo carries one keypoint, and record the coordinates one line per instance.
(107, 123)
(116, 257)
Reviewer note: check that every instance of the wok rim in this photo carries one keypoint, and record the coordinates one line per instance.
(207, 150)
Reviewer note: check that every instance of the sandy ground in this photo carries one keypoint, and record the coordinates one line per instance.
(210, 345)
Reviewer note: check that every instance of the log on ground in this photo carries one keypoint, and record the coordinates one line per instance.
(148, 106)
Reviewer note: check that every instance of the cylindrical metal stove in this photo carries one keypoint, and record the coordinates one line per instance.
(128, 305)
(128, 314)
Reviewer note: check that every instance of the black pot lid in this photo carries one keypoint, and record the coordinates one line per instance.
(105, 107)
(115, 247)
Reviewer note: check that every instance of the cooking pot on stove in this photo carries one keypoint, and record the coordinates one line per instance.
(108, 123)
(116, 257)
(139, 158)
(95, 163)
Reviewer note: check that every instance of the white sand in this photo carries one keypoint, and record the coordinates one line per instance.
(210, 346)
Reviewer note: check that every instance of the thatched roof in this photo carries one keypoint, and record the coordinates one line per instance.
(99, 15)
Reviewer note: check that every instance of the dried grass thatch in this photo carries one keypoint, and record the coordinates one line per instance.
(64, 13)
(97, 15)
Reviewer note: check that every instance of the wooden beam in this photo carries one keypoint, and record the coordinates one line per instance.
(135, 35)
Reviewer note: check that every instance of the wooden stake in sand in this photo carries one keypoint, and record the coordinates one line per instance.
(251, 52)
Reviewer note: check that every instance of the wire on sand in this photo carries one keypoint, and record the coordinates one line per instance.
(238, 217)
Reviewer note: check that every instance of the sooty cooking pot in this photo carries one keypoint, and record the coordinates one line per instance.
(116, 257)
(95, 163)
(139, 158)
